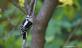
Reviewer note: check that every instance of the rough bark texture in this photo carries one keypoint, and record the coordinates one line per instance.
(40, 23)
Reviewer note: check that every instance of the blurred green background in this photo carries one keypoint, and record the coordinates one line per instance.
(65, 26)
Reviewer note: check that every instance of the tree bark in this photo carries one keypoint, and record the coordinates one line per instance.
(40, 23)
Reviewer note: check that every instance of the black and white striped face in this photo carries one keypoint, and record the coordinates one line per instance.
(26, 23)
(29, 18)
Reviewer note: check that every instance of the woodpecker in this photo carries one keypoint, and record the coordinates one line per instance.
(27, 23)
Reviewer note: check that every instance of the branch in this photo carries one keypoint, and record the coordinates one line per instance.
(29, 7)
(32, 6)
(40, 23)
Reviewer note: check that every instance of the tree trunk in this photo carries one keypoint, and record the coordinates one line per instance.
(40, 23)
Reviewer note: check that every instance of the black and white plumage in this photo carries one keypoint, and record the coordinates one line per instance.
(27, 23)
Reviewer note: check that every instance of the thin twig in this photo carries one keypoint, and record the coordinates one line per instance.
(26, 6)
(29, 7)
(70, 36)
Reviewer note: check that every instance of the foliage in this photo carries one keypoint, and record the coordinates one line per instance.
(65, 19)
